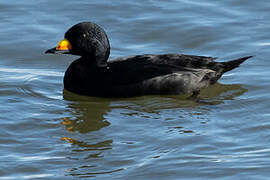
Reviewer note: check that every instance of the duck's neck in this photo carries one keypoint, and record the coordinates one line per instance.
(95, 61)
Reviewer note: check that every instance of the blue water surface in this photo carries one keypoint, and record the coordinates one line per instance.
(49, 133)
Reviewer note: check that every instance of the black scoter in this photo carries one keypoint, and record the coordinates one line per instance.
(93, 75)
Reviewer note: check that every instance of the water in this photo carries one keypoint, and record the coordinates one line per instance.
(48, 133)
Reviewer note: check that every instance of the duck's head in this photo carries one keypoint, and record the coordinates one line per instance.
(85, 39)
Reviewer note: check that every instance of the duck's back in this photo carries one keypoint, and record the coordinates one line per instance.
(160, 74)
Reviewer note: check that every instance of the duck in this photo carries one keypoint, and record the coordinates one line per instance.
(147, 74)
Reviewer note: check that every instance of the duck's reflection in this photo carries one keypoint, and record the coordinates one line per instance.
(94, 116)
(89, 113)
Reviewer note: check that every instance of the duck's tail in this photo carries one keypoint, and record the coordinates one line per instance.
(227, 66)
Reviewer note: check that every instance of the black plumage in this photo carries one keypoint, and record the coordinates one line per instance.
(94, 75)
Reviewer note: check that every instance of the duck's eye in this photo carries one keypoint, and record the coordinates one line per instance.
(63, 45)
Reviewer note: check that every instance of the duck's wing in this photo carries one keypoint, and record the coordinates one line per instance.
(133, 69)
(187, 61)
